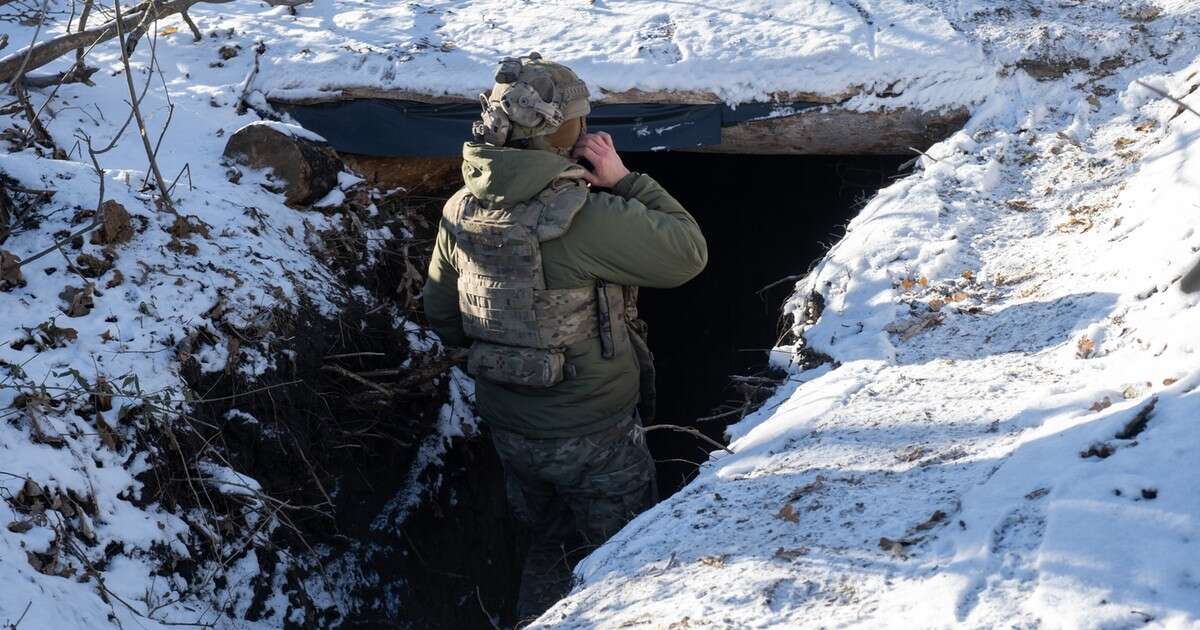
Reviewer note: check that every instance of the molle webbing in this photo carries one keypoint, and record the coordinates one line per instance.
(502, 289)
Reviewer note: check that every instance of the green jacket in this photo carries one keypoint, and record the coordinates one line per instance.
(637, 235)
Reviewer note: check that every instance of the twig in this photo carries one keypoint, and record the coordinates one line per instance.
(83, 18)
(740, 411)
(243, 104)
(187, 19)
(1167, 96)
(16, 76)
(15, 83)
(479, 598)
(691, 431)
(779, 282)
(349, 355)
(187, 167)
(922, 153)
(59, 243)
(74, 75)
(337, 369)
(137, 112)
(24, 612)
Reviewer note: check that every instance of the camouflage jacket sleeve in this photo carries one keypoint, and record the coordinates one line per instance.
(638, 235)
(440, 295)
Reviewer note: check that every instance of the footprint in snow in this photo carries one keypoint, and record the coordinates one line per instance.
(656, 40)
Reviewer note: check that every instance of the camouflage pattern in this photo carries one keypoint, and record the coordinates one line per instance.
(573, 494)
(531, 367)
(531, 99)
(636, 235)
(502, 290)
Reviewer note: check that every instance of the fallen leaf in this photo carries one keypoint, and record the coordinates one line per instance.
(1098, 449)
(897, 547)
(791, 554)
(20, 527)
(10, 269)
(168, 30)
(937, 517)
(788, 514)
(115, 226)
(912, 454)
(1170, 381)
(92, 266)
(116, 279)
(79, 300)
(1085, 348)
(968, 275)
(1037, 494)
(806, 489)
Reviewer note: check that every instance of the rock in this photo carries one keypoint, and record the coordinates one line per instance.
(302, 160)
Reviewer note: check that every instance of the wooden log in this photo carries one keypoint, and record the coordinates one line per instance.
(837, 131)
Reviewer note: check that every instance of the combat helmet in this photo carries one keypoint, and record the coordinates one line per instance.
(532, 98)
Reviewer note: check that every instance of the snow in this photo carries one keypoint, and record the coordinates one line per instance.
(1072, 203)
(947, 477)
(294, 131)
(739, 50)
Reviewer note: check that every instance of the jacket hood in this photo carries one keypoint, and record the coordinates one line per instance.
(507, 176)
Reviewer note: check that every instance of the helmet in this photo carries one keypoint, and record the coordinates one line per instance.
(531, 99)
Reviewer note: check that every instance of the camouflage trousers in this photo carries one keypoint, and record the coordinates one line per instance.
(573, 494)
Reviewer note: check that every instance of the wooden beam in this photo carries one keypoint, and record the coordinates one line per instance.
(836, 131)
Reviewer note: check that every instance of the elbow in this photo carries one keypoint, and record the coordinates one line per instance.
(690, 263)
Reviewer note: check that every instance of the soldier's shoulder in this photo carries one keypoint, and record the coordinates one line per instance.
(453, 205)
(599, 199)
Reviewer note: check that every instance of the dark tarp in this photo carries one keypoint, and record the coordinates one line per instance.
(381, 127)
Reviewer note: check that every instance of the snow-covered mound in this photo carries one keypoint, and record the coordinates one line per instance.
(112, 512)
(738, 50)
(1008, 436)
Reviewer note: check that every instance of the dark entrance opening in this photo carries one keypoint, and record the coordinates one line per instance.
(765, 218)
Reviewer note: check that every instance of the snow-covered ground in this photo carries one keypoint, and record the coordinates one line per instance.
(1008, 307)
(1010, 438)
(740, 50)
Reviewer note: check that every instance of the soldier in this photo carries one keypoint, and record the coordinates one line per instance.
(534, 259)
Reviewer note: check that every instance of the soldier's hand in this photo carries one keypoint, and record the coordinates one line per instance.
(607, 167)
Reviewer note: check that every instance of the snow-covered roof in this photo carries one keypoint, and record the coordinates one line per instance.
(735, 51)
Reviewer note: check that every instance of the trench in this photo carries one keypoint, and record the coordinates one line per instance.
(455, 561)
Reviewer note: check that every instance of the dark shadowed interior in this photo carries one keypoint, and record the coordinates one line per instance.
(765, 218)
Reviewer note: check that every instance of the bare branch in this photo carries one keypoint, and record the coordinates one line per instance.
(187, 19)
(76, 74)
(690, 431)
(38, 55)
(83, 18)
(137, 112)
(1167, 96)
